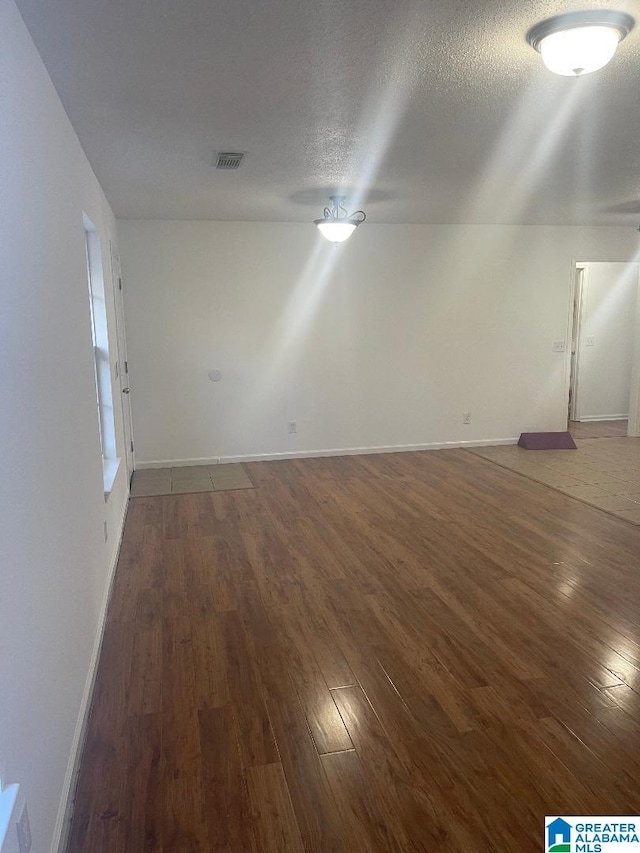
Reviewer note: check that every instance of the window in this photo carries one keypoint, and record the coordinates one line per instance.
(99, 332)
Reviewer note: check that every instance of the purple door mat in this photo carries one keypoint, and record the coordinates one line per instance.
(547, 441)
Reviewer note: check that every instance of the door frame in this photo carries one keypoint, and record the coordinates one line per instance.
(633, 427)
(578, 301)
(123, 372)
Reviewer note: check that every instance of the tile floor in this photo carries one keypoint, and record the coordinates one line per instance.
(193, 478)
(598, 429)
(603, 472)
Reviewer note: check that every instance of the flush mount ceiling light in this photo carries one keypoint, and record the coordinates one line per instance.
(578, 43)
(337, 225)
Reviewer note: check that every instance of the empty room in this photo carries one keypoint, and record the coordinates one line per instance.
(320, 388)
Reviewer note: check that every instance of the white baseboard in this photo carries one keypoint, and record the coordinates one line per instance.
(65, 809)
(314, 454)
(603, 418)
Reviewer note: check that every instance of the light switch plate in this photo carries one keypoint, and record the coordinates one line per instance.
(559, 346)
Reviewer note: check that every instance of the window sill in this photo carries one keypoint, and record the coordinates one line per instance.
(109, 472)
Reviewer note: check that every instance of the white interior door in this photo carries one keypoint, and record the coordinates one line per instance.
(123, 371)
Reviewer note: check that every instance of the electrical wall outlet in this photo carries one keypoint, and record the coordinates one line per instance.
(466, 417)
(292, 427)
(590, 341)
(24, 831)
(559, 346)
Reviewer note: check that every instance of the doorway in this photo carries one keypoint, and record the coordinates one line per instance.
(603, 338)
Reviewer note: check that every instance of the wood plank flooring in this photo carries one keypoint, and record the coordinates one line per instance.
(408, 652)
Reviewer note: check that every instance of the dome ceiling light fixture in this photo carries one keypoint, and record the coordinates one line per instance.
(578, 43)
(337, 225)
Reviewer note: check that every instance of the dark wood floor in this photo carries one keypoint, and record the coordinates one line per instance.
(409, 652)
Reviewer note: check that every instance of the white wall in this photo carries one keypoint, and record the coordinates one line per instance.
(606, 340)
(55, 563)
(383, 341)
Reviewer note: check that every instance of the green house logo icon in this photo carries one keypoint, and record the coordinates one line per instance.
(559, 836)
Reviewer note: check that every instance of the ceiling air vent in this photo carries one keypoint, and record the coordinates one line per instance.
(228, 160)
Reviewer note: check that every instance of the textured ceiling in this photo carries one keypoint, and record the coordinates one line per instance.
(433, 111)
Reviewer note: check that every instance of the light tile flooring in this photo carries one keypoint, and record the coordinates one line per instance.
(603, 472)
(598, 429)
(193, 478)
